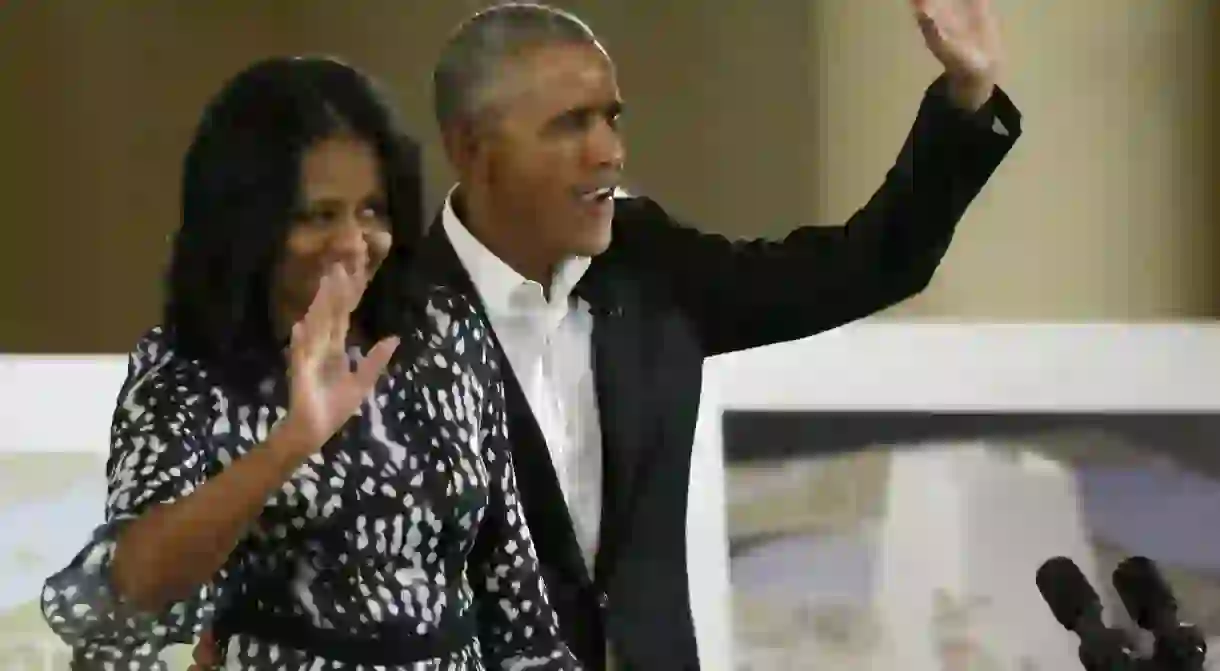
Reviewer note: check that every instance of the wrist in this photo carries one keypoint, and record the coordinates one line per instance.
(293, 440)
(969, 94)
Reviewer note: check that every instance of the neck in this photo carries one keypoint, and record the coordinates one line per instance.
(530, 260)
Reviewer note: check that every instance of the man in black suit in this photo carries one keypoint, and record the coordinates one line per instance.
(606, 307)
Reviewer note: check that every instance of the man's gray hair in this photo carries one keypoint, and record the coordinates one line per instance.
(471, 60)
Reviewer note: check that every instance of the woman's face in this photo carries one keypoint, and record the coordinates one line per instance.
(341, 220)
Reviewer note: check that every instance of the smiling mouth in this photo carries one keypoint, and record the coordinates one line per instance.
(598, 195)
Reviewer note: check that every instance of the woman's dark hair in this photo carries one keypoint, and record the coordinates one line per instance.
(240, 188)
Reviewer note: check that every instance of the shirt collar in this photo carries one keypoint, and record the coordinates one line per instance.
(494, 279)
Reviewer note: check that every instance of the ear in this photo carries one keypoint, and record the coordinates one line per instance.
(462, 145)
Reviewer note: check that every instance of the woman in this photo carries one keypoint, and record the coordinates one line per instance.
(314, 506)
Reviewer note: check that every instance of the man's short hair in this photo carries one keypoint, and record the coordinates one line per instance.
(471, 60)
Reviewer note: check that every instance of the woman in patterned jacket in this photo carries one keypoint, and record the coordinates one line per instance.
(308, 456)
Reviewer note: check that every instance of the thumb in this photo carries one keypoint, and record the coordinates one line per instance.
(929, 16)
(373, 364)
(930, 29)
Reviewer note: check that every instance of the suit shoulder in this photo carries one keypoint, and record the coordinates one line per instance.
(639, 221)
(629, 209)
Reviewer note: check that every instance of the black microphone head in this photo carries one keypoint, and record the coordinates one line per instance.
(1145, 593)
(1067, 592)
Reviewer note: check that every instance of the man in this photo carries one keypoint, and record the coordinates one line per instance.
(606, 307)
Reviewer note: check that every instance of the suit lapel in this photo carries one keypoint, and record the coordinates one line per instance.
(620, 377)
(541, 496)
(619, 374)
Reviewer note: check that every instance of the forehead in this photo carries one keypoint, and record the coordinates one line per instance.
(339, 165)
(548, 80)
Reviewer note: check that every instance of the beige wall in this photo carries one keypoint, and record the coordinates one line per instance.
(744, 121)
(1103, 211)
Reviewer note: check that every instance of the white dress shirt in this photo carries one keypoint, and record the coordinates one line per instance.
(548, 342)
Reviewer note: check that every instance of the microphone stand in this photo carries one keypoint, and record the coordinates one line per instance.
(1106, 649)
(1074, 603)
(1180, 648)
(1149, 600)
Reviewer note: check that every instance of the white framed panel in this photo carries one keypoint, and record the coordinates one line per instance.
(62, 404)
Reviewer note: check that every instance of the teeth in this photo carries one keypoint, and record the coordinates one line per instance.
(599, 193)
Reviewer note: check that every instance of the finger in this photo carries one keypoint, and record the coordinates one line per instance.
(929, 29)
(931, 25)
(937, 21)
(373, 364)
(355, 289)
(313, 333)
(301, 346)
(339, 315)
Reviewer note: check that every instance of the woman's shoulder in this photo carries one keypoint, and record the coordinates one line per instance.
(155, 351)
(156, 369)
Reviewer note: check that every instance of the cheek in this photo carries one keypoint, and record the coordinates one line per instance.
(528, 178)
(379, 243)
(537, 188)
(298, 265)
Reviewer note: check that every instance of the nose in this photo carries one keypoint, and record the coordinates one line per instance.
(349, 245)
(606, 146)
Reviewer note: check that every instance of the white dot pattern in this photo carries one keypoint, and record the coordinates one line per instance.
(408, 517)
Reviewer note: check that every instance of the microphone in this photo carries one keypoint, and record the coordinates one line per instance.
(611, 310)
(1076, 606)
(1150, 602)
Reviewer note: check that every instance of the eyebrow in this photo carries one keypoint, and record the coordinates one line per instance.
(376, 197)
(609, 110)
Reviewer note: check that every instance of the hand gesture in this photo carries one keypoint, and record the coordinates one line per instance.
(964, 35)
(324, 390)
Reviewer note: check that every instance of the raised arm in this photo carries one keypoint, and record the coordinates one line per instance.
(743, 294)
(518, 628)
(154, 570)
(740, 295)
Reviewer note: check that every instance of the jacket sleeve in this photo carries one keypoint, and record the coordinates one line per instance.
(744, 294)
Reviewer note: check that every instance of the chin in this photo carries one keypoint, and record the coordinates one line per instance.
(595, 244)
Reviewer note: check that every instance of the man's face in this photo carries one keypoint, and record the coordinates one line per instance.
(551, 153)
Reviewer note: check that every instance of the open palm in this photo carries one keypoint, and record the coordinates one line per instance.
(964, 35)
(325, 390)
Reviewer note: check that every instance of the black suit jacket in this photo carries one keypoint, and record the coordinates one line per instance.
(664, 297)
